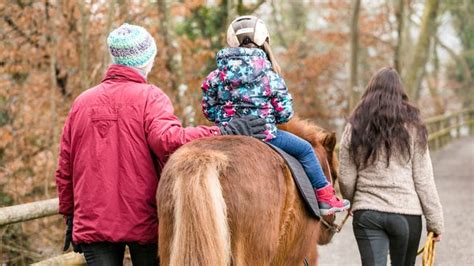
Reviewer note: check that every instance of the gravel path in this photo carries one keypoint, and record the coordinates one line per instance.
(454, 174)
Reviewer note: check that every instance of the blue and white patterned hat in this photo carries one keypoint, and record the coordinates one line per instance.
(131, 45)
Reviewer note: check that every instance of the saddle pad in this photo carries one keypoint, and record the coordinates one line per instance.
(302, 181)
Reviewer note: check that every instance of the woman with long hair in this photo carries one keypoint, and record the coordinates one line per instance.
(386, 172)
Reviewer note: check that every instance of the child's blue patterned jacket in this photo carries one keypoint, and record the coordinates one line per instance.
(245, 84)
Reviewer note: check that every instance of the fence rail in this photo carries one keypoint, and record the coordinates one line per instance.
(28, 211)
(442, 130)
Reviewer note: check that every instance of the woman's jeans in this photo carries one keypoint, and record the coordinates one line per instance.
(303, 152)
(111, 254)
(377, 232)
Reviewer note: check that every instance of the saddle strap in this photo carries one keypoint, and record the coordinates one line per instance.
(305, 262)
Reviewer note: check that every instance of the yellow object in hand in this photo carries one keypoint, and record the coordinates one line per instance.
(428, 250)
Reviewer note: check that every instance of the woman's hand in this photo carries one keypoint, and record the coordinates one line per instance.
(436, 237)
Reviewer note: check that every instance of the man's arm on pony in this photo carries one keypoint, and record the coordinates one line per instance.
(164, 131)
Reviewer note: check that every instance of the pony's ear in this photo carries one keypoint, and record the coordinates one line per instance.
(330, 141)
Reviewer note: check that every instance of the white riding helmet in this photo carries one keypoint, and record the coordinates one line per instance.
(247, 28)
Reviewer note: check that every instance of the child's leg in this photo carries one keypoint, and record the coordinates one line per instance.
(303, 152)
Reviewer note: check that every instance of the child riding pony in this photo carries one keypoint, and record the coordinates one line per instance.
(247, 83)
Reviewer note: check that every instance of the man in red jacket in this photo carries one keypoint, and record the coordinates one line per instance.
(115, 141)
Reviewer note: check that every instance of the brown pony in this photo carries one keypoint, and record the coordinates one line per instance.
(232, 200)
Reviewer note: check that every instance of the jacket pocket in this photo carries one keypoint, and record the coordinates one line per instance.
(102, 123)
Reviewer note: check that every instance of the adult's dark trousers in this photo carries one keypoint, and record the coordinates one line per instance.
(111, 254)
(379, 232)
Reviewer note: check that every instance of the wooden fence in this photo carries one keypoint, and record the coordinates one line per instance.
(442, 130)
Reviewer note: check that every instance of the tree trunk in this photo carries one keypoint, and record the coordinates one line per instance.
(298, 18)
(354, 42)
(433, 83)
(173, 58)
(407, 40)
(278, 24)
(84, 55)
(231, 6)
(174, 65)
(414, 73)
(52, 36)
(123, 9)
(108, 27)
(399, 14)
(466, 90)
(460, 60)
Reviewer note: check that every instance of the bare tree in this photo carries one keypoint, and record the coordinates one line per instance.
(108, 26)
(243, 9)
(123, 9)
(277, 21)
(459, 59)
(414, 74)
(354, 42)
(433, 82)
(84, 54)
(53, 39)
(399, 14)
(174, 63)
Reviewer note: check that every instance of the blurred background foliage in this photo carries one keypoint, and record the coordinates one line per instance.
(52, 50)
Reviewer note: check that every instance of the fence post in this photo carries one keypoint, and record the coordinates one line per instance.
(443, 136)
(470, 116)
(438, 139)
(450, 122)
(458, 124)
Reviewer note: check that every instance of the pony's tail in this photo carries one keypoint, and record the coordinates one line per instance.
(200, 231)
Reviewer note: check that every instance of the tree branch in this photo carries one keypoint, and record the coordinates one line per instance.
(459, 59)
(278, 23)
(17, 29)
(242, 10)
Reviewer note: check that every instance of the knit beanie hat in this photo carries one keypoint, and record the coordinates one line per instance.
(131, 45)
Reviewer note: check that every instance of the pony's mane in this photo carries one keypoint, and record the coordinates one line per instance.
(306, 130)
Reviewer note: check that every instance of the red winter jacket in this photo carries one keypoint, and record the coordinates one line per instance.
(115, 141)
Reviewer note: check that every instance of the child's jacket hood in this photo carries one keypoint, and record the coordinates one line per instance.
(242, 65)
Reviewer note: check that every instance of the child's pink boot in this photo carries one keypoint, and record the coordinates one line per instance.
(328, 202)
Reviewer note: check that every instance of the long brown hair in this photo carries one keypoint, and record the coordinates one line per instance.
(382, 120)
(268, 50)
